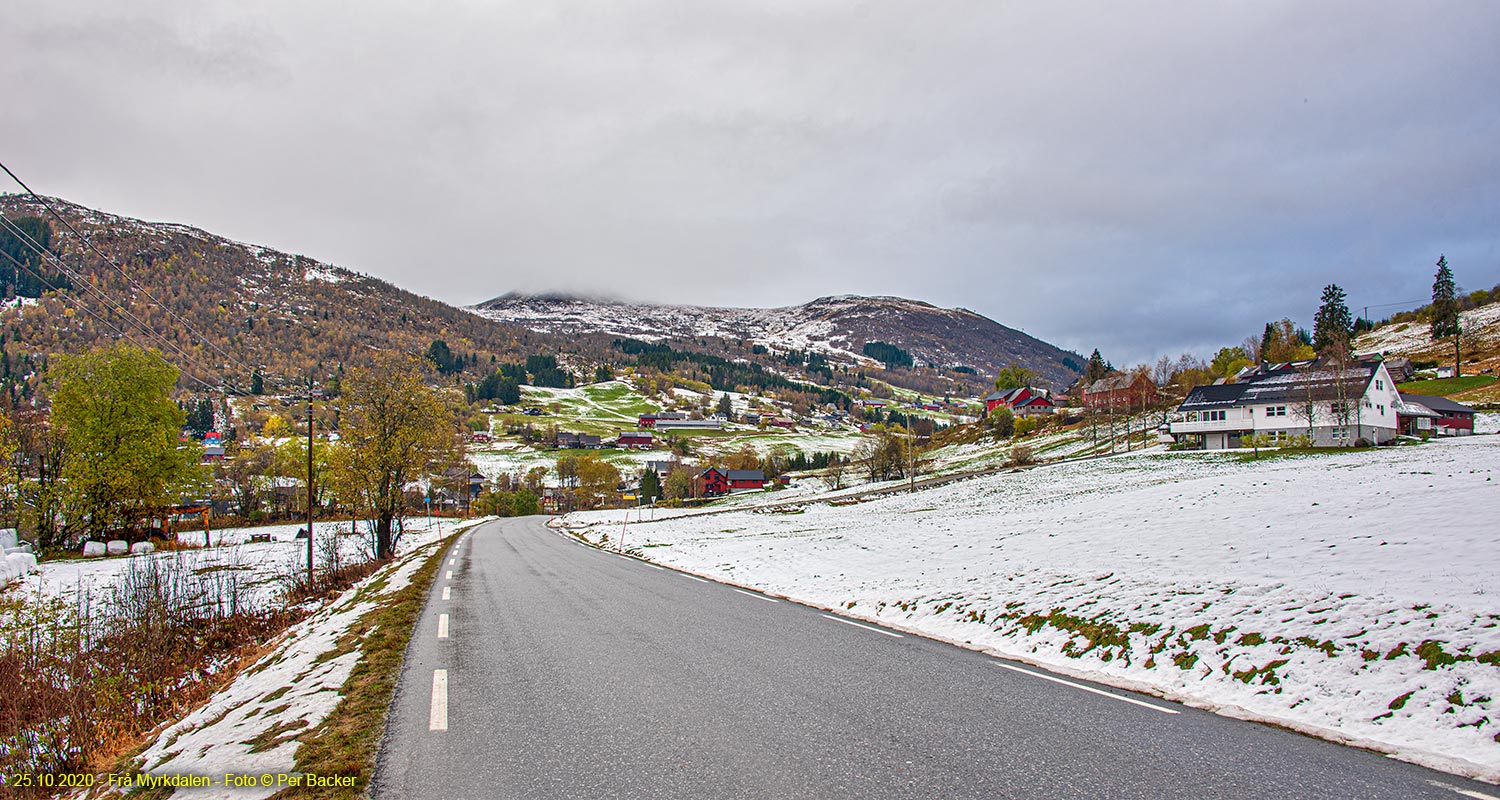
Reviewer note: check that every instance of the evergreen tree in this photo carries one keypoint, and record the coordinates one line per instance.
(1333, 322)
(726, 407)
(1445, 308)
(1266, 340)
(650, 486)
(1097, 367)
(257, 383)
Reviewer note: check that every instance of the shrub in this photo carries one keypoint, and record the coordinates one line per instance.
(1022, 454)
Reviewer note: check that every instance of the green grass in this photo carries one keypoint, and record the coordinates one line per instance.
(1444, 387)
(345, 742)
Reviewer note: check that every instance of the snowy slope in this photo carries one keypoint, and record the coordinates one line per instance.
(836, 326)
(1348, 595)
(1481, 327)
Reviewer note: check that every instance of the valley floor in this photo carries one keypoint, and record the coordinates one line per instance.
(1348, 595)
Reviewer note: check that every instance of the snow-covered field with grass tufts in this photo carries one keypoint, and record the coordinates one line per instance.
(262, 569)
(1354, 596)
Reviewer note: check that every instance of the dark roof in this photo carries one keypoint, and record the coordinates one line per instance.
(1440, 404)
(1285, 383)
(746, 475)
(1221, 395)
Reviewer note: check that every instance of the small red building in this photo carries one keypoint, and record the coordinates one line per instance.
(1023, 402)
(636, 440)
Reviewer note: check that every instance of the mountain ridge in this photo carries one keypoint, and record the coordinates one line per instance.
(837, 326)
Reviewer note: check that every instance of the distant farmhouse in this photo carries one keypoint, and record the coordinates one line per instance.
(1026, 401)
(1338, 406)
(715, 482)
(1121, 390)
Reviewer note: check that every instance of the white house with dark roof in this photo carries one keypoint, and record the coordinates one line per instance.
(1339, 407)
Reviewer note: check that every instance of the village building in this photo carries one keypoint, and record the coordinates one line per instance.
(651, 420)
(636, 440)
(1336, 407)
(688, 424)
(715, 482)
(578, 441)
(1437, 416)
(1025, 401)
(1121, 390)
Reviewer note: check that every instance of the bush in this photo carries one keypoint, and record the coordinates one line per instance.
(1021, 455)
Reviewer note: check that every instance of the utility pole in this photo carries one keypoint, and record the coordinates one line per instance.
(310, 484)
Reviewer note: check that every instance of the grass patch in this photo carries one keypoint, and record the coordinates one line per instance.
(1443, 387)
(345, 743)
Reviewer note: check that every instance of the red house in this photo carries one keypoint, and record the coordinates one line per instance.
(713, 482)
(1121, 390)
(1023, 402)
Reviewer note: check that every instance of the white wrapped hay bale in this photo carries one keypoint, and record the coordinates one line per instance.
(141, 548)
(118, 547)
(93, 549)
(17, 565)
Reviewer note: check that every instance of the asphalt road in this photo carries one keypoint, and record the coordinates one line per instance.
(545, 669)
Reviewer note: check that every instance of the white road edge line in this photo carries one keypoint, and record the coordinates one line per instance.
(653, 566)
(447, 592)
(1101, 693)
(1465, 792)
(696, 578)
(438, 719)
(857, 625)
(442, 626)
(758, 596)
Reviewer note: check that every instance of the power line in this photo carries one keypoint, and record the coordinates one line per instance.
(90, 245)
(109, 304)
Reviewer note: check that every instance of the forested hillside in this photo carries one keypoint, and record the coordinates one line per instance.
(220, 309)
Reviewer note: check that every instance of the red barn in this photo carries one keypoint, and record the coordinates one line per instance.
(1023, 402)
(636, 440)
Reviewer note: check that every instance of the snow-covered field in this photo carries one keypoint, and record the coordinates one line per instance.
(1353, 595)
(263, 567)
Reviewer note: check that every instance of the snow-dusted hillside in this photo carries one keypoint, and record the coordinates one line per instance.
(1414, 339)
(1347, 595)
(836, 326)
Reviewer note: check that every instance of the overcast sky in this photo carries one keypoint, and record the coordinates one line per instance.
(1141, 177)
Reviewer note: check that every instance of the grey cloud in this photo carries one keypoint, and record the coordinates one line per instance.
(1144, 178)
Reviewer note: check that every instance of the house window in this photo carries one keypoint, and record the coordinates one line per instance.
(1214, 416)
(1338, 409)
(1275, 411)
(1379, 384)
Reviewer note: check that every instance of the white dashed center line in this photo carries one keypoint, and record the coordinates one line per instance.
(442, 626)
(1087, 689)
(450, 562)
(857, 625)
(758, 596)
(438, 719)
(449, 576)
(447, 592)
